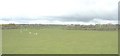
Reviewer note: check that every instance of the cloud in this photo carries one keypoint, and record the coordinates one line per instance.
(58, 11)
(93, 22)
(7, 22)
(43, 21)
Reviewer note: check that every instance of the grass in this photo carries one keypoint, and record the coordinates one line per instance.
(0, 41)
(58, 41)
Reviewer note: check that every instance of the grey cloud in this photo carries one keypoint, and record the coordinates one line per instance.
(73, 17)
(84, 18)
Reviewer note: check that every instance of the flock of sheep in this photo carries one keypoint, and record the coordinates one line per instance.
(34, 33)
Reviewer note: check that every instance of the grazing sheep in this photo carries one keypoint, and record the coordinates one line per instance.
(35, 33)
(29, 32)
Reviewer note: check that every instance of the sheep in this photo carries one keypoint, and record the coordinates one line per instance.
(29, 32)
(35, 33)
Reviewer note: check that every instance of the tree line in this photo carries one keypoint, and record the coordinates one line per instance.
(100, 27)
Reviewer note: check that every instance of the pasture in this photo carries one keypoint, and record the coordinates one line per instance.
(59, 41)
(0, 47)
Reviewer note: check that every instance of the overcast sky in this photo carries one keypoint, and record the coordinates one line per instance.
(59, 11)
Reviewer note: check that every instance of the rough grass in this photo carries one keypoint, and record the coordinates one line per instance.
(57, 41)
(0, 41)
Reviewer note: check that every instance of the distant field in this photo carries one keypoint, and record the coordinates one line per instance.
(59, 41)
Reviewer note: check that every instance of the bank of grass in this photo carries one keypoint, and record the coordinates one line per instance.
(59, 41)
(0, 41)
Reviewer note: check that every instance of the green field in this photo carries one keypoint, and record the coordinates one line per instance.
(0, 41)
(59, 41)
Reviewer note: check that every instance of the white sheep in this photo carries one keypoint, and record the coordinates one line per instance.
(35, 33)
(29, 32)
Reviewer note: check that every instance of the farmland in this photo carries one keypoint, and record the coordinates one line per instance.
(0, 41)
(59, 41)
